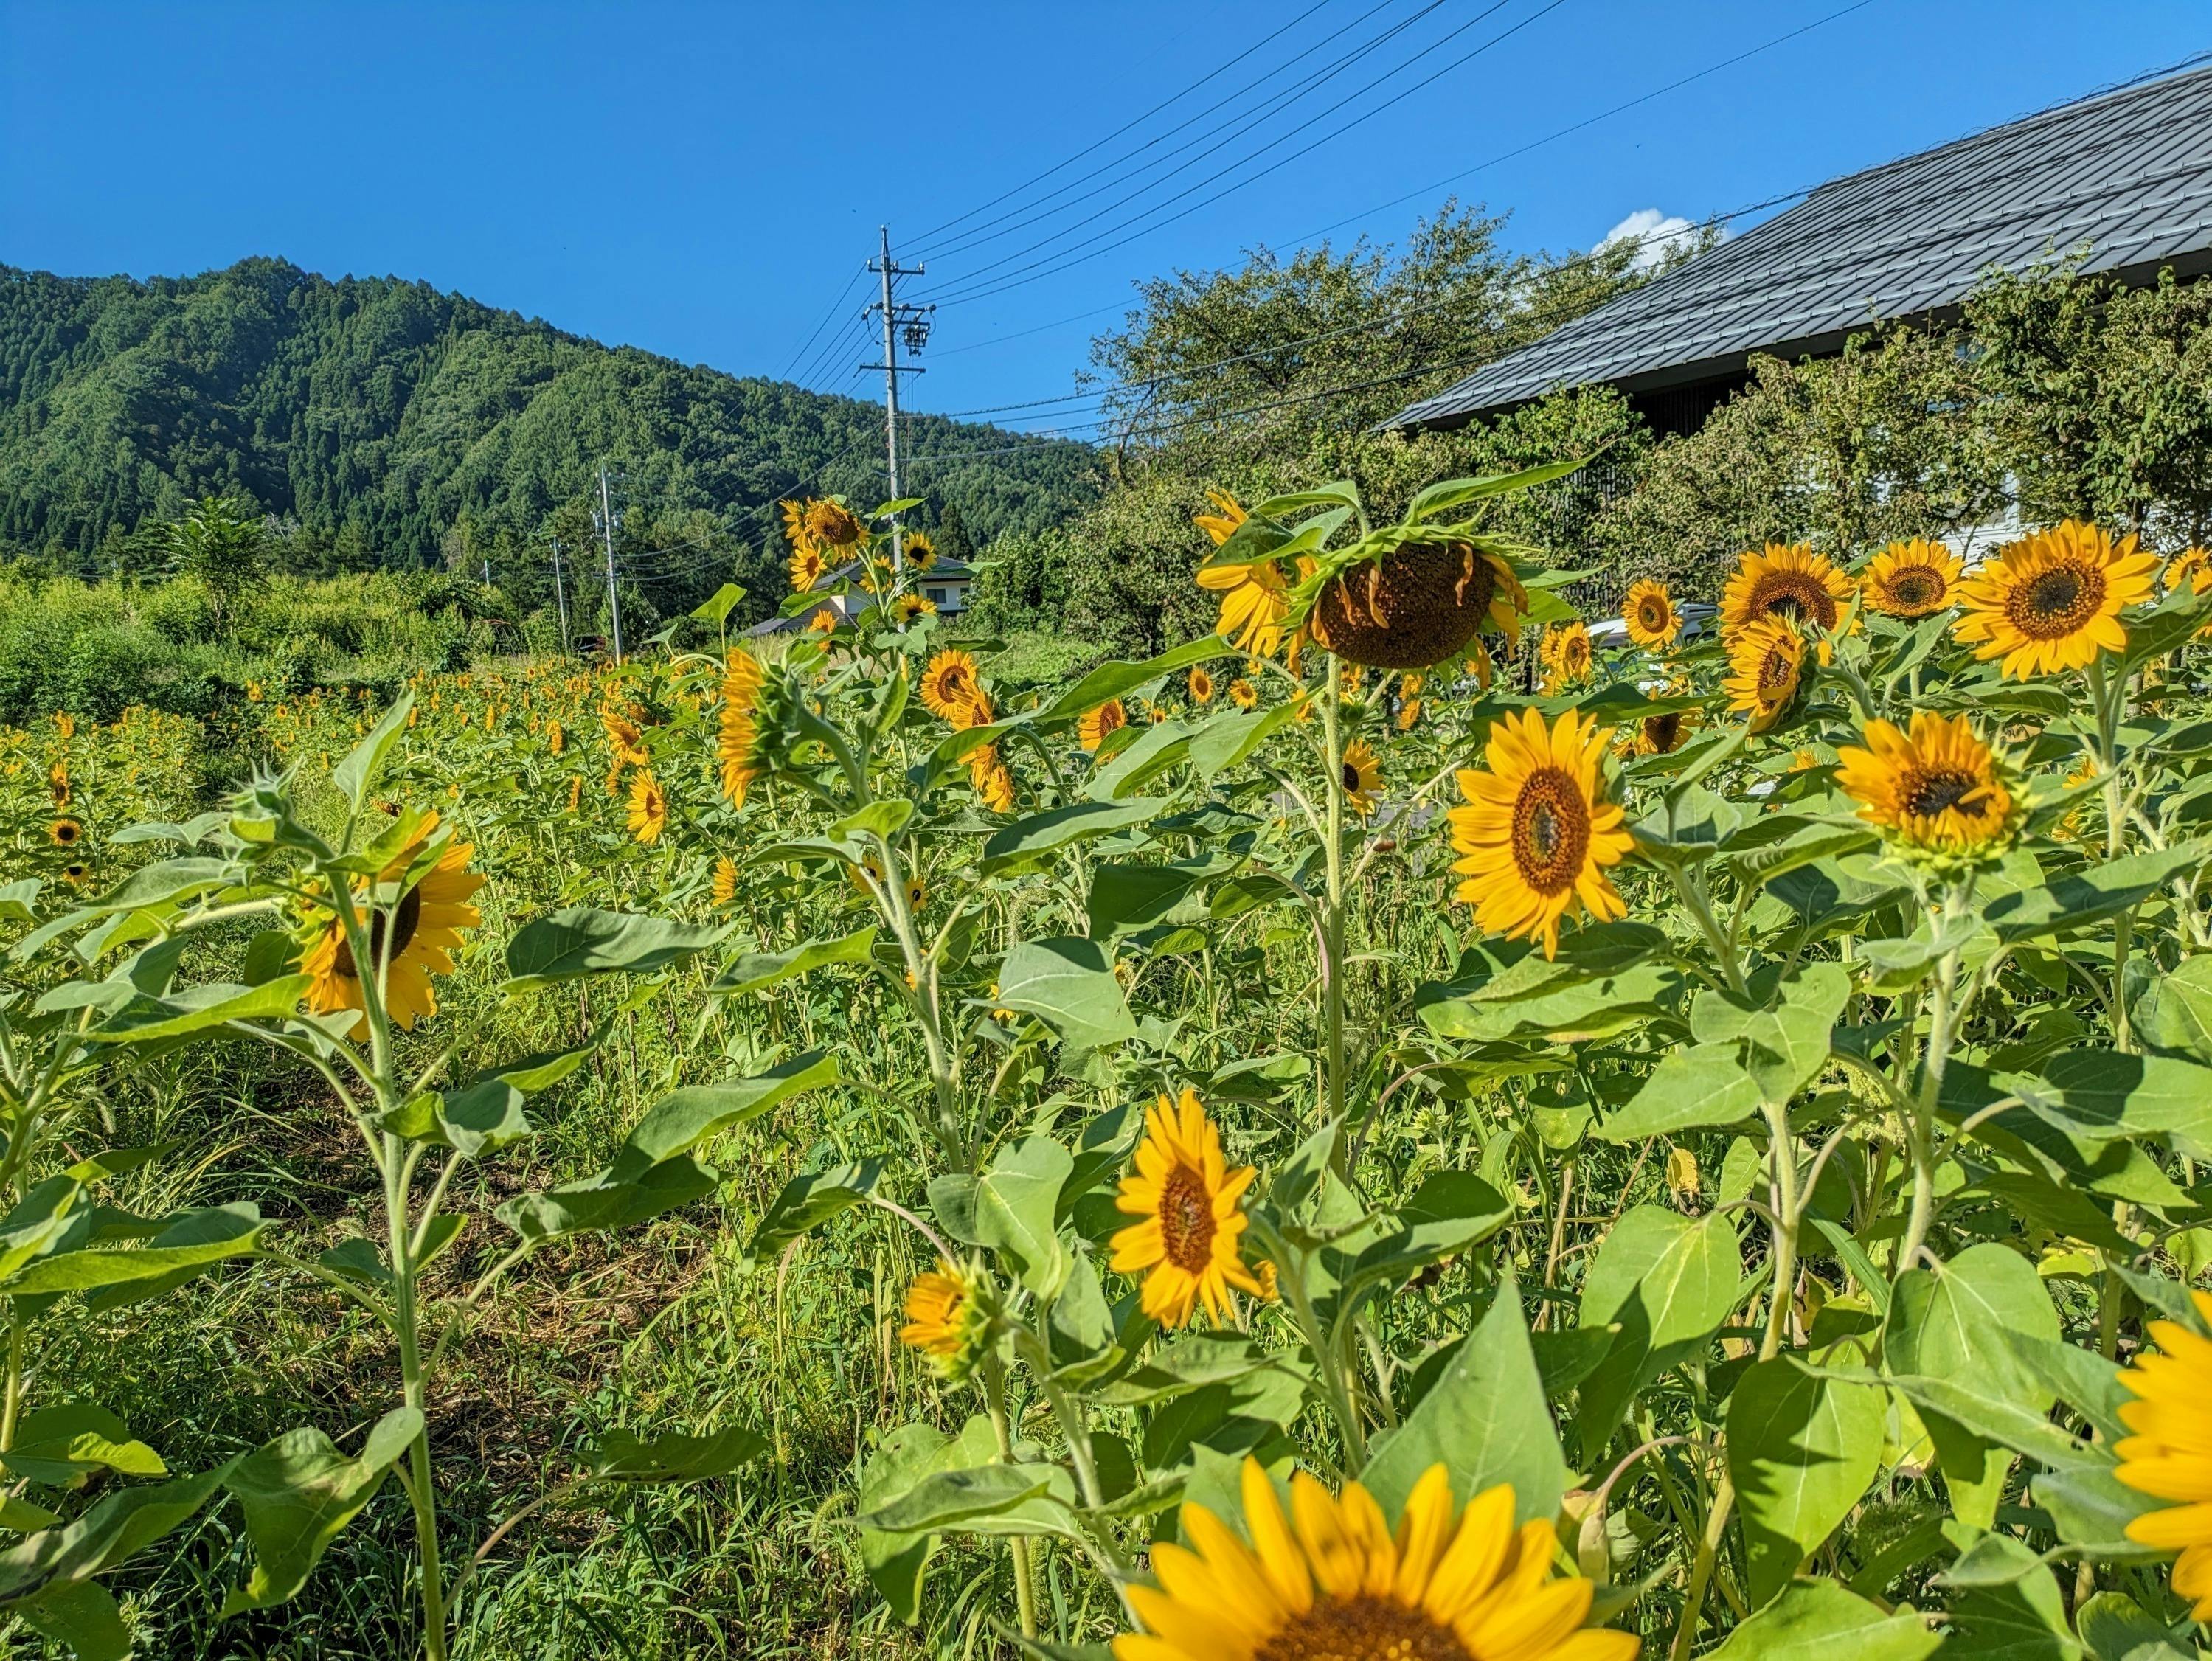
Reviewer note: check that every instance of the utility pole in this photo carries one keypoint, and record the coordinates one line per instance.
(913, 322)
(560, 597)
(607, 525)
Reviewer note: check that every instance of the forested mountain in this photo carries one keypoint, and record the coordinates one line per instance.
(392, 424)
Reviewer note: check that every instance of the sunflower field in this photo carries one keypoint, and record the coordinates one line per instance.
(1408, 1127)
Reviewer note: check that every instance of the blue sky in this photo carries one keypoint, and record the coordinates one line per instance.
(704, 180)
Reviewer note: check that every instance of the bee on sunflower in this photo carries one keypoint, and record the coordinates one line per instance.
(649, 808)
(1186, 1245)
(1335, 1580)
(1912, 580)
(1767, 664)
(1649, 616)
(412, 937)
(1099, 724)
(1935, 786)
(2052, 601)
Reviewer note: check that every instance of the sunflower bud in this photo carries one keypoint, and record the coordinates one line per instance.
(951, 1316)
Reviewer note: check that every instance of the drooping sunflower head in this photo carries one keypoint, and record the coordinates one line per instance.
(2052, 601)
(1537, 833)
(1794, 584)
(919, 550)
(830, 524)
(649, 807)
(953, 691)
(1766, 667)
(1201, 685)
(2171, 1417)
(1649, 616)
(1185, 1242)
(1363, 778)
(410, 934)
(1107, 718)
(808, 567)
(1565, 653)
(993, 783)
(1419, 604)
(1915, 579)
(1221, 524)
(1936, 788)
(950, 1317)
(1335, 1580)
(624, 737)
(65, 831)
(58, 783)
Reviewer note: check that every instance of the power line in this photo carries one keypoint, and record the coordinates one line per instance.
(849, 284)
(923, 241)
(1033, 213)
(1000, 286)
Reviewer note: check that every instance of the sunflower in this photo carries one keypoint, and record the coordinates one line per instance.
(1537, 830)
(808, 567)
(1221, 524)
(794, 523)
(77, 873)
(624, 735)
(1186, 1245)
(1794, 583)
(2192, 565)
(1766, 661)
(830, 524)
(1651, 616)
(1934, 786)
(65, 832)
(919, 552)
(555, 739)
(1244, 694)
(1362, 777)
(649, 807)
(1663, 734)
(725, 889)
(1409, 712)
(58, 783)
(1334, 1581)
(951, 691)
(1108, 717)
(2170, 1455)
(737, 741)
(2052, 601)
(1256, 603)
(1201, 685)
(1419, 604)
(1915, 579)
(946, 1319)
(1565, 656)
(412, 938)
(991, 779)
(575, 791)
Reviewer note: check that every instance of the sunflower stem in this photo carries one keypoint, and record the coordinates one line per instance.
(1942, 1011)
(994, 1396)
(1333, 911)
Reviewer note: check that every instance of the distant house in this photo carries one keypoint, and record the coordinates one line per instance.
(944, 585)
(2126, 174)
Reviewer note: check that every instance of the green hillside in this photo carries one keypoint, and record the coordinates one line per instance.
(394, 425)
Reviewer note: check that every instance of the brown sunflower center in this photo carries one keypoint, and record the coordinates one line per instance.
(1916, 588)
(1928, 793)
(65, 832)
(2056, 601)
(1187, 1224)
(401, 921)
(1797, 595)
(1664, 732)
(1652, 614)
(1551, 830)
(1778, 674)
(1350, 777)
(1362, 1629)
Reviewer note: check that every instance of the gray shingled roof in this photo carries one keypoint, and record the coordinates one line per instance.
(2129, 173)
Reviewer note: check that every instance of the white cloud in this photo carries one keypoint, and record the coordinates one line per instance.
(1659, 234)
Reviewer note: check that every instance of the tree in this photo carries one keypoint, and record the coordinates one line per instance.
(220, 542)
